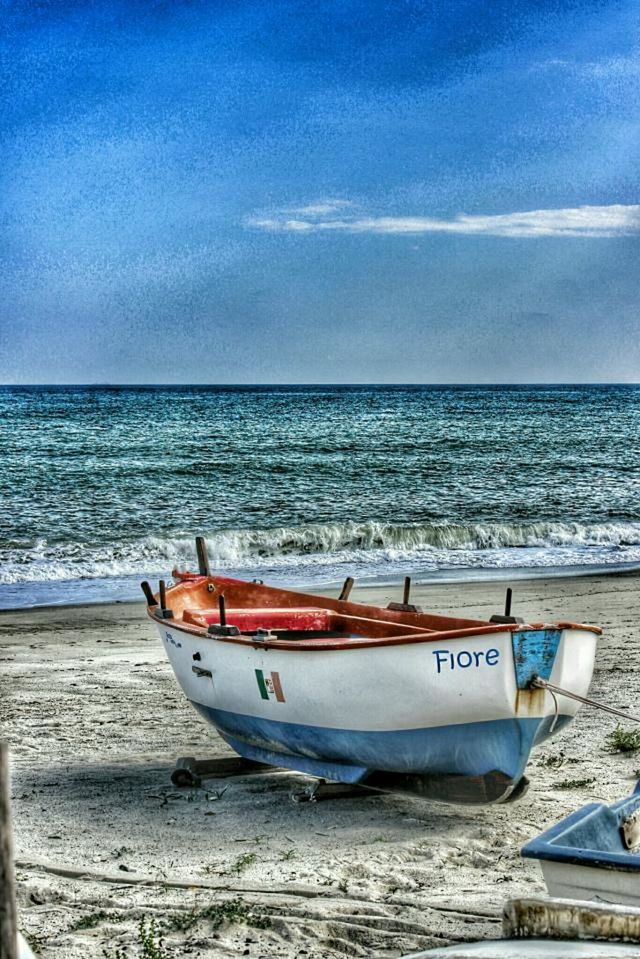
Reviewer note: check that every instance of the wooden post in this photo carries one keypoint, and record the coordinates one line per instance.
(203, 559)
(222, 610)
(164, 612)
(346, 589)
(8, 913)
(148, 592)
(407, 591)
(507, 602)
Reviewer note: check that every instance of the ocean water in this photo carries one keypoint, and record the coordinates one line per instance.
(102, 486)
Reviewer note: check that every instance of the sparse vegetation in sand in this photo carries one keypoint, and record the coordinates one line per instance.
(624, 740)
(150, 942)
(557, 760)
(243, 862)
(93, 919)
(574, 783)
(231, 911)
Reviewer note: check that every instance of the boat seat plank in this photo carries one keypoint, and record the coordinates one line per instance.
(249, 620)
(299, 621)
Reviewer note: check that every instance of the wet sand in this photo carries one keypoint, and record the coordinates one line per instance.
(104, 842)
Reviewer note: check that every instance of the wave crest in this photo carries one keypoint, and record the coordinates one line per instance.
(336, 537)
(315, 544)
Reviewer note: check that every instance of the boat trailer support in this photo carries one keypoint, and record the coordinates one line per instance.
(467, 790)
(320, 789)
(190, 772)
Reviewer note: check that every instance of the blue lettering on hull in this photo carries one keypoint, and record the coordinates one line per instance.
(446, 660)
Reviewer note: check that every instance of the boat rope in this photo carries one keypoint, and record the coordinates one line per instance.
(544, 684)
(556, 714)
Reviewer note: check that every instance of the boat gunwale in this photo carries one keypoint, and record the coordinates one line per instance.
(190, 582)
(550, 846)
(335, 643)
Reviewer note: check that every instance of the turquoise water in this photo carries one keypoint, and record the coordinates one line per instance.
(305, 485)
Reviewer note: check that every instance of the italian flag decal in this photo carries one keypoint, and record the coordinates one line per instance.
(269, 685)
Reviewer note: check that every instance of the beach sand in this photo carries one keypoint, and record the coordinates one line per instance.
(95, 721)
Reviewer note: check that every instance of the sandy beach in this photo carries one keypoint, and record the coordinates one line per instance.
(104, 842)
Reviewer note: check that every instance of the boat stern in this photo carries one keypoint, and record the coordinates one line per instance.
(562, 654)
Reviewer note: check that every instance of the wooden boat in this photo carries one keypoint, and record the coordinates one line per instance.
(392, 699)
(594, 853)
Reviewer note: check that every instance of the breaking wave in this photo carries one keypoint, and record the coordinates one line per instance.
(324, 547)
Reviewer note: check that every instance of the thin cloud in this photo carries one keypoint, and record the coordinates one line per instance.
(583, 221)
(606, 68)
(321, 208)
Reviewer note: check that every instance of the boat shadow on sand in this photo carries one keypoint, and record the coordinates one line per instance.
(89, 812)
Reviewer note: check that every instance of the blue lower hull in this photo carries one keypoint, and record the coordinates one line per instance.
(465, 749)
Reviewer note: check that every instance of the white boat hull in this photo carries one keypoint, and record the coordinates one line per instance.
(573, 881)
(454, 708)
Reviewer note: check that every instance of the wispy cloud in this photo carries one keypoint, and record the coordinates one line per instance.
(321, 208)
(606, 68)
(583, 221)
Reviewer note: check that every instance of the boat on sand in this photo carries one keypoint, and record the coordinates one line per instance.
(394, 699)
(594, 853)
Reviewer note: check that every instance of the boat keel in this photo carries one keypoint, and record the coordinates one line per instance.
(481, 790)
(493, 787)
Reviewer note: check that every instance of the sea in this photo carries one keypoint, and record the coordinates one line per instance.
(102, 486)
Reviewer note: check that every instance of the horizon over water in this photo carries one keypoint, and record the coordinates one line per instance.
(103, 485)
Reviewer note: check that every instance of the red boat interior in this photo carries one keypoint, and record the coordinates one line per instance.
(307, 622)
(231, 610)
(235, 611)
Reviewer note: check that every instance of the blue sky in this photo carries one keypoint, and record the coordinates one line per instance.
(320, 192)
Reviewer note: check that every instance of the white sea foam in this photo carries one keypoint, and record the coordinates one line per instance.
(327, 547)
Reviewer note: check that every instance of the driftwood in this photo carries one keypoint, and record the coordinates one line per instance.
(569, 919)
(8, 915)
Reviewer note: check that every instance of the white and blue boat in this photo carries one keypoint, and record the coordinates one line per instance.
(393, 699)
(593, 854)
